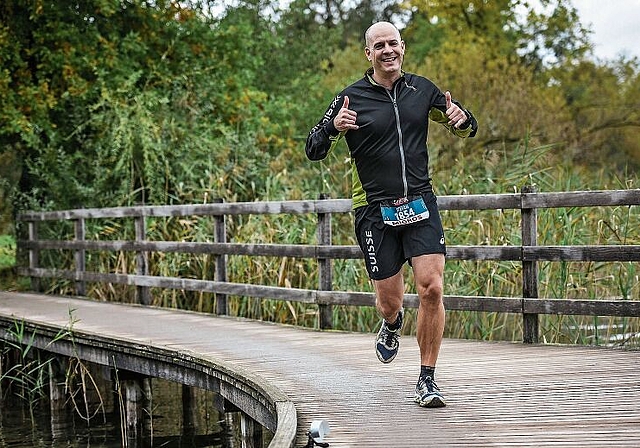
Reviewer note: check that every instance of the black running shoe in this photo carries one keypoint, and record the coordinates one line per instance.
(387, 341)
(428, 394)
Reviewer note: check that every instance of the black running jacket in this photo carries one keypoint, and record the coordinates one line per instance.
(389, 149)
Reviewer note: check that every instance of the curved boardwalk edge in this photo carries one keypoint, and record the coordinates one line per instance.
(258, 398)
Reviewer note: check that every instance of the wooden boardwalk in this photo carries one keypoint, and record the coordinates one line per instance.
(499, 394)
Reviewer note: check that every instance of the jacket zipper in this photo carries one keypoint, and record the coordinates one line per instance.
(400, 144)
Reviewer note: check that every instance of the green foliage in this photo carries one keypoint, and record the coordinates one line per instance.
(7, 252)
(141, 102)
(109, 103)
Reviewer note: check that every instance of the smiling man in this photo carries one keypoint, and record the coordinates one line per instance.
(384, 118)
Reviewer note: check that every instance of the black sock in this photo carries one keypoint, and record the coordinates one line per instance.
(426, 371)
(396, 324)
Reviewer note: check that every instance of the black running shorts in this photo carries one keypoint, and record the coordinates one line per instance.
(387, 248)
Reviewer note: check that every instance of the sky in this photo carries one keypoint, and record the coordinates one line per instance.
(615, 25)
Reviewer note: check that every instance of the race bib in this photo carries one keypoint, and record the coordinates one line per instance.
(404, 211)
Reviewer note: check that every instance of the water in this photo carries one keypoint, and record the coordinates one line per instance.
(206, 427)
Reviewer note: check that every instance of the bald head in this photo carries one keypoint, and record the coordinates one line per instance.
(384, 48)
(377, 28)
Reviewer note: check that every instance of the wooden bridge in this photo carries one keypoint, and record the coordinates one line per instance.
(499, 394)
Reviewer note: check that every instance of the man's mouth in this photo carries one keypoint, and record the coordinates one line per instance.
(389, 59)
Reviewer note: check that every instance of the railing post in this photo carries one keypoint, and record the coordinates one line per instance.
(530, 325)
(220, 236)
(324, 267)
(80, 257)
(57, 389)
(189, 410)
(34, 255)
(57, 395)
(143, 294)
(133, 405)
(251, 432)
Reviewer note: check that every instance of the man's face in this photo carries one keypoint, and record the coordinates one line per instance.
(385, 49)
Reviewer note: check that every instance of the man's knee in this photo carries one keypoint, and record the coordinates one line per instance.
(389, 307)
(431, 293)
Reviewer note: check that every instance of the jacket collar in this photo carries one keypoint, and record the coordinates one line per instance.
(369, 76)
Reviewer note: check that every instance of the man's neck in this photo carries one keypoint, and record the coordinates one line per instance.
(386, 80)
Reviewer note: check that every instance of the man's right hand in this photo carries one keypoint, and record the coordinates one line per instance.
(346, 118)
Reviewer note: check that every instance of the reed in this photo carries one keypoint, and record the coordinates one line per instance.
(493, 173)
(27, 372)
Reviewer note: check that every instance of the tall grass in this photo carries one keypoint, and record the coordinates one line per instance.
(494, 173)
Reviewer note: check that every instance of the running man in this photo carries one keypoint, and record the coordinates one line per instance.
(384, 118)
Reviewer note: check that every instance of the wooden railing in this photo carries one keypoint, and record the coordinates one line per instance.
(529, 254)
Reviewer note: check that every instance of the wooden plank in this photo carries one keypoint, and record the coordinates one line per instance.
(582, 199)
(628, 308)
(582, 253)
(502, 253)
(346, 298)
(479, 202)
(228, 208)
(450, 202)
(79, 256)
(287, 423)
(324, 236)
(237, 289)
(529, 231)
(611, 252)
(34, 254)
(451, 302)
(274, 250)
(484, 304)
(143, 294)
(220, 273)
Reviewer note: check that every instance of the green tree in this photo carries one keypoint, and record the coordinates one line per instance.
(603, 101)
(109, 102)
(112, 102)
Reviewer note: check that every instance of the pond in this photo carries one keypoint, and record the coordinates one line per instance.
(164, 426)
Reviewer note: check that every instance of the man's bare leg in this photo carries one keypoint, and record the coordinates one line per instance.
(428, 273)
(389, 297)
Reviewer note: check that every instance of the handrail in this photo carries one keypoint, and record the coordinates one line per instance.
(602, 198)
(529, 253)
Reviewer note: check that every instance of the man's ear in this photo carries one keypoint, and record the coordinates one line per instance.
(367, 53)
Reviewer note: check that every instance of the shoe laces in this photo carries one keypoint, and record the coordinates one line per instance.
(390, 340)
(389, 336)
(428, 383)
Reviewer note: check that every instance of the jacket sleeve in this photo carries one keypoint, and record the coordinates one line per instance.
(439, 115)
(324, 136)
